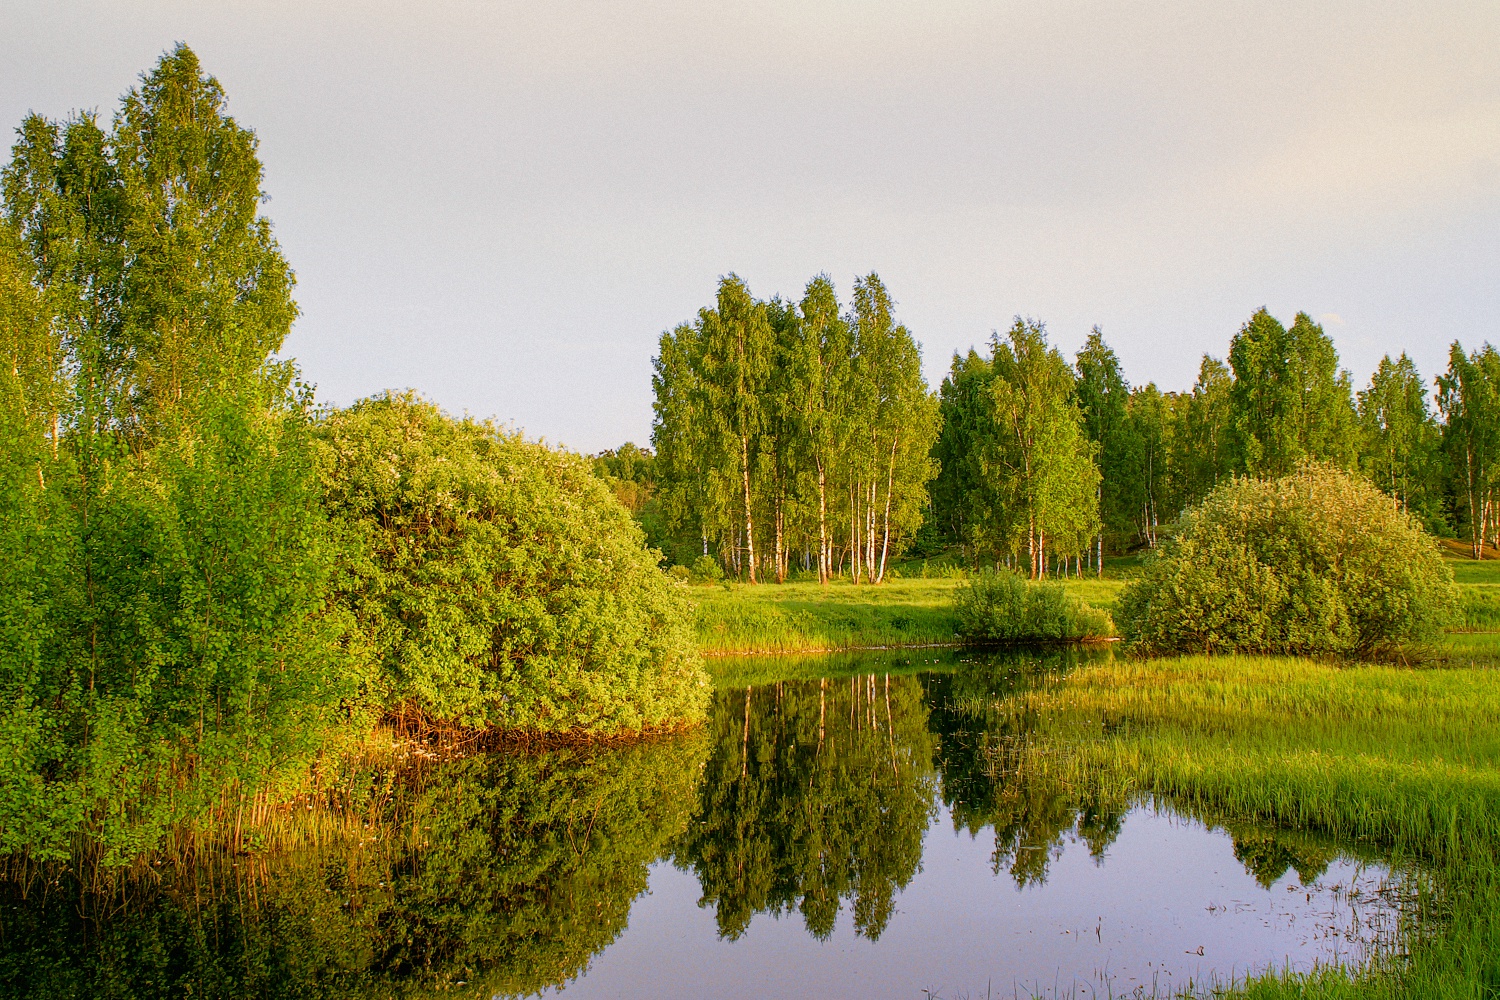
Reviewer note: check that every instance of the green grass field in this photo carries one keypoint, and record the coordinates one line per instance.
(1404, 761)
(805, 617)
(911, 610)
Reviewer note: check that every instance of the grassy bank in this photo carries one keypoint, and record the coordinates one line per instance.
(912, 611)
(804, 617)
(808, 617)
(1406, 761)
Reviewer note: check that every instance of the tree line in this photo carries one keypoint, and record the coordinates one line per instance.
(798, 435)
(793, 432)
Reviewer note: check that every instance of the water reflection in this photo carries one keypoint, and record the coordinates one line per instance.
(830, 822)
(503, 873)
(816, 792)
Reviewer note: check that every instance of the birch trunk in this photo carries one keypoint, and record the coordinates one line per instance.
(823, 553)
(749, 524)
(890, 485)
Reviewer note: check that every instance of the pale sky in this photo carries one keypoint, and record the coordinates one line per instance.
(503, 205)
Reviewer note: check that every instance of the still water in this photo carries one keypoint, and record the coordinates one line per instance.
(864, 825)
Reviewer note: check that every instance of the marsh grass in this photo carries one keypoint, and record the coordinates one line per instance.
(1405, 761)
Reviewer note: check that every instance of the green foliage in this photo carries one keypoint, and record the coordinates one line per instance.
(1102, 398)
(1289, 402)
(1317, 562)
(1022, 476)
(175, 642)
(170, 642)
(1201, 449)
(707, 568)
(1401, 445)
(1001, 606)
(504, 584)
(149, 248)
(1469, 398)
(784, 429)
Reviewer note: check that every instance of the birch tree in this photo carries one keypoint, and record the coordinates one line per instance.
(1040, 456)
(1102, 393)
(1469, 399)
(1400, 444)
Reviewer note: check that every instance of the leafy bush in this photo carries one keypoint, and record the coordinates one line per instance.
(168, 639)
(504, 585)
(707, 568)
(1004, 607)
(1318, 562)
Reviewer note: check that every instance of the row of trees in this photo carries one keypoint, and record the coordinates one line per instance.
(794, 431)
(1040, 457)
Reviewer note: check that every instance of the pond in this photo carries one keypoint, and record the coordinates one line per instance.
(864, 825)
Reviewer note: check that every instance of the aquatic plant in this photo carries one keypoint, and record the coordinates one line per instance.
(1404, 761)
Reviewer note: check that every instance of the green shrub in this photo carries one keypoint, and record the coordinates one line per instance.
(1318, 562)
(504, 585)
(707, 568)
(1003, 607)
(168, 640)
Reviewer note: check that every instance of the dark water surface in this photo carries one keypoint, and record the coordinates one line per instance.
(868, 832)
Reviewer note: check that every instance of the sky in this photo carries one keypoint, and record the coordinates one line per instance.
(504, 205)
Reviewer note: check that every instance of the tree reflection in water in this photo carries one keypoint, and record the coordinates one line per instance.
(505, 872)
(508, 872)
(816, 792)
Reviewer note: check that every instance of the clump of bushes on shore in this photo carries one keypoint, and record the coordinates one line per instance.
(1315, 563)
(206, 588)
(500, 583)
(1003, 607)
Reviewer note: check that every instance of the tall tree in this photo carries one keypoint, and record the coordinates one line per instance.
(963, 497)
(737, 346)
(165, 279)
(897, 415)
(1289, 401)
(1040, 457)
(1146, 472)
(1102, 395)
(821, 364)
(1469, 399)
(1400, 446)
(1201, 445)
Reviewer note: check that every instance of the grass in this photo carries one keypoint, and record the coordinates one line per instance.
(1479, 591)
(808, 617)
(1403, 760)
(906, 610)
(916, 610)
